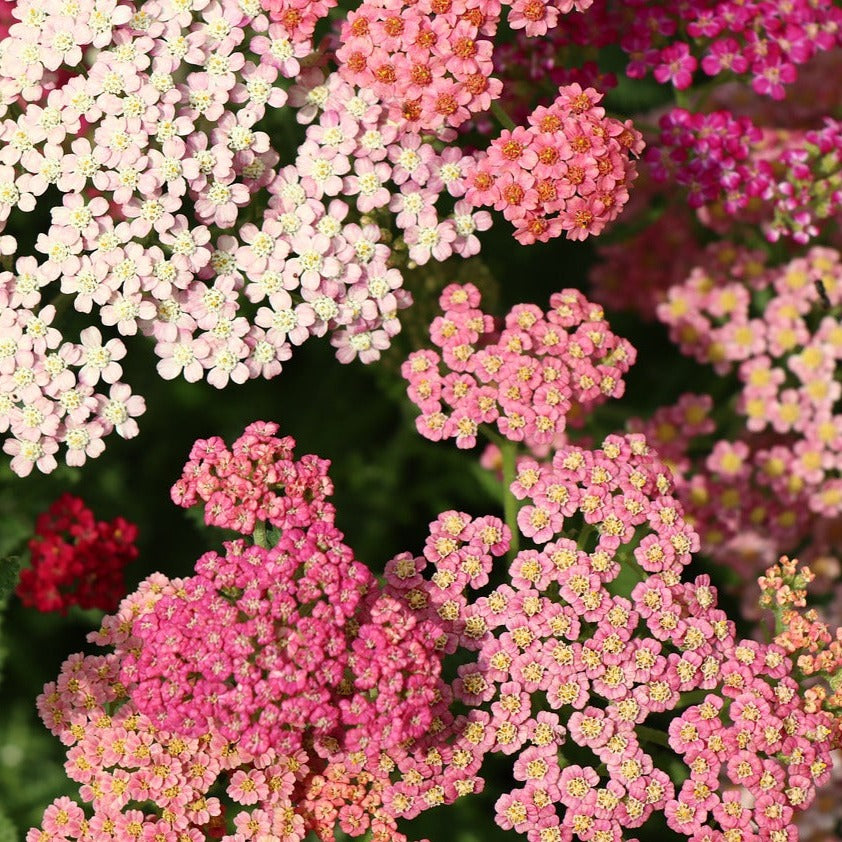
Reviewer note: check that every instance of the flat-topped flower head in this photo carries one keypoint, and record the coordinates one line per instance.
(596, 634)
(567, 172)
(178, 217)
(526, 376)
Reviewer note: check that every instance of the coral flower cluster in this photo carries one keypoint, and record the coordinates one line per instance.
(567, 172)
(76, 559)
(431, 62)
(526, 378)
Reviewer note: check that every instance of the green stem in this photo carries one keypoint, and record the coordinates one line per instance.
(502, 117)
(683, 99)
(259, 535)
(588, 529)
(510, 502)
(652, 735)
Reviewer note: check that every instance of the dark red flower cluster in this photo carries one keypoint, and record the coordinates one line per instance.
(76, 559)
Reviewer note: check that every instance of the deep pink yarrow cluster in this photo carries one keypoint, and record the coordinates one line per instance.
(284, 682)
(728, 161)
(764, 42)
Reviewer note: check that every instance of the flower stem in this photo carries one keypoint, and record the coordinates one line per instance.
(510, 503)
(652, 735)
(502, 117)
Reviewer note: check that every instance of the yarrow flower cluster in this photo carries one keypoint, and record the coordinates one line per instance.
(527, 377)
(303, 614)
(431, 62)
(56, 393)
(781, 332)
(76, 559)
(765, 42)
(816, 649)
(594, 632)
(175, 218)
(569, 171)
(283, 682)
(790, 180)
(256, 482)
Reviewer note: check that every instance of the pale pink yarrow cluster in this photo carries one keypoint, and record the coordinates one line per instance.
(55, 393)
(173, 217)
(738, 492)
(431, 62)
(782, 335)
(526, 376)
(567, 172)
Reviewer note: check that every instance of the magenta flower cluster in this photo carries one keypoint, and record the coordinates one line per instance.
(729, 161)
(568, 172)
(280, 649)
(527, 376)
(763, 41)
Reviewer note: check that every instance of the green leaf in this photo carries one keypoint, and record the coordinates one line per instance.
(9, 570)
(8, 832)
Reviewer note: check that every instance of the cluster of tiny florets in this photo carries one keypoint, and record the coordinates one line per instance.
(174, 216)
(431, 62)
(788, 179)
(763, 42)
(781, 333)
(567, 172)
(526, 377)
(594, 632)
(75, 559)
(257, 480)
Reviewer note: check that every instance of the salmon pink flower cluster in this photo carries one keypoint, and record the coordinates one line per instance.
(431, 62)
(815, 647)
(75, 559)
(526, 376)
(569, 171)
